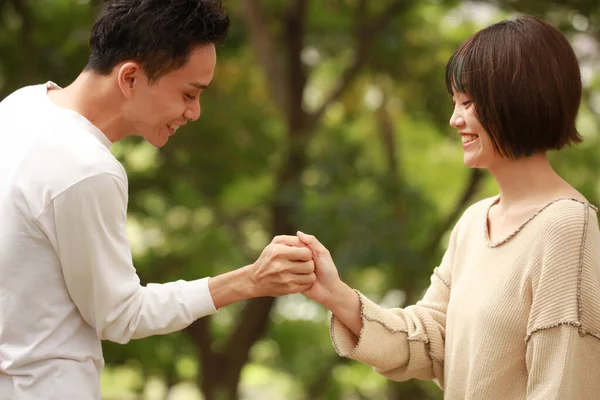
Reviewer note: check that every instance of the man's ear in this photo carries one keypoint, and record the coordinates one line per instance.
(130, 76)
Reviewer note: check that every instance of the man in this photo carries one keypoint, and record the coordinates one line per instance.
(66, 276)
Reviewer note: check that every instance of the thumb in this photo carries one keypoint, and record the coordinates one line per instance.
(313, 243)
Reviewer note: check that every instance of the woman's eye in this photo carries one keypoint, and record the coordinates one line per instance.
(467, 103)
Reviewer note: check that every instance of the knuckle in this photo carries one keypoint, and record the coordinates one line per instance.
(268, 261)
(305, 288)
(306, 252)
(307, 269)
(290, 281)
(280, 265)
(277, 239)
(278, 248)
(267, 250)
(283, 275)
(275, 252)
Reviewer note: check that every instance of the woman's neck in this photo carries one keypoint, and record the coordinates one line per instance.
(529, 181)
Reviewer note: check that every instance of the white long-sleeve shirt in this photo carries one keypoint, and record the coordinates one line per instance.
(66, 273)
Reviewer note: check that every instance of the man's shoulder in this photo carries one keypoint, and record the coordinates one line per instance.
(76, 148)
(23, 93)
(53, 166)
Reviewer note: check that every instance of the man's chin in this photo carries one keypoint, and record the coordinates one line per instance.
(157, 142)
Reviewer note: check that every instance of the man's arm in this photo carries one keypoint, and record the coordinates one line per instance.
(89, 221)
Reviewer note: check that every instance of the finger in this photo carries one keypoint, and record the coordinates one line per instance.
(302, 267)
(294, 253)
(303, 288)
(288, 240)
(294, 288)
(305, 279)
(296, 283)
(313, 243)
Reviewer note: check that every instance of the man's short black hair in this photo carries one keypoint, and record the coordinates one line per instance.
(524, 80)
(159, 34)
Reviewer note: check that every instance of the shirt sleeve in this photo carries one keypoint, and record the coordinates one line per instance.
(407, 343)
(95, 255)
(563, 335)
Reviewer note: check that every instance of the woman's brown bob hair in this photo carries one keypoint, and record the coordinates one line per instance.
(523, 78)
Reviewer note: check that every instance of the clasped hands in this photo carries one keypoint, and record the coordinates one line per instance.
(295, 264)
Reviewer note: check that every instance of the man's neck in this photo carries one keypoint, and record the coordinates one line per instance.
(98, 99)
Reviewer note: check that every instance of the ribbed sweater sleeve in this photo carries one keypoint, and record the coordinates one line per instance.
(403, 343)
(563, 332)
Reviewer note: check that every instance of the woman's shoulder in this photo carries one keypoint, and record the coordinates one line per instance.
(478, 210)
(472, 218)
(562, 215)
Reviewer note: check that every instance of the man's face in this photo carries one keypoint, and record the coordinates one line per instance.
(155, 111)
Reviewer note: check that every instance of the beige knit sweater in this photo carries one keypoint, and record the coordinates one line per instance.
(518, 319)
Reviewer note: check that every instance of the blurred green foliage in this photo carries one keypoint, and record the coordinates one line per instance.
(326, 116)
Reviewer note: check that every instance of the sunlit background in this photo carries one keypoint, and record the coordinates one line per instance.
(328, 116)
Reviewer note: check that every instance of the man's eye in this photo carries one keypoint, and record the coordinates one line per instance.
(190, 97)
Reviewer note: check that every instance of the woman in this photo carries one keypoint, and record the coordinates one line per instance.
(513, 310)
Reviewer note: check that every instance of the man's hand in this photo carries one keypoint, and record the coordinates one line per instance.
(285, 266)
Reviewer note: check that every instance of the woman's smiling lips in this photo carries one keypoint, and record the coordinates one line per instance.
(468, 139)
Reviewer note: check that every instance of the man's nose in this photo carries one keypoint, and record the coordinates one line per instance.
(192, 113)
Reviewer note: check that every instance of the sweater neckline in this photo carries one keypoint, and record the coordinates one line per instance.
(500, 242)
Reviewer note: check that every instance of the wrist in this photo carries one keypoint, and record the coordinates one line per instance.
(345, 304)
(338, 296)
(248, 287)
(232, 287)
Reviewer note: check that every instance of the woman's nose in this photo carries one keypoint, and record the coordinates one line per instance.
(456, 121)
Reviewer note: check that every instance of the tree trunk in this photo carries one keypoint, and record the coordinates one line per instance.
(287, 80)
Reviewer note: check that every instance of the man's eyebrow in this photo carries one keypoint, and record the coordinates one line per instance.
(198, 85)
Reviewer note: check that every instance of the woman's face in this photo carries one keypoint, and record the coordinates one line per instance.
(478, 149)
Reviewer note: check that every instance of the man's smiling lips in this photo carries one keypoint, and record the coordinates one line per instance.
(172, 128)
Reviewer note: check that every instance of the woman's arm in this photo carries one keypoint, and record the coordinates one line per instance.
(400, 343)
(563, 335)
